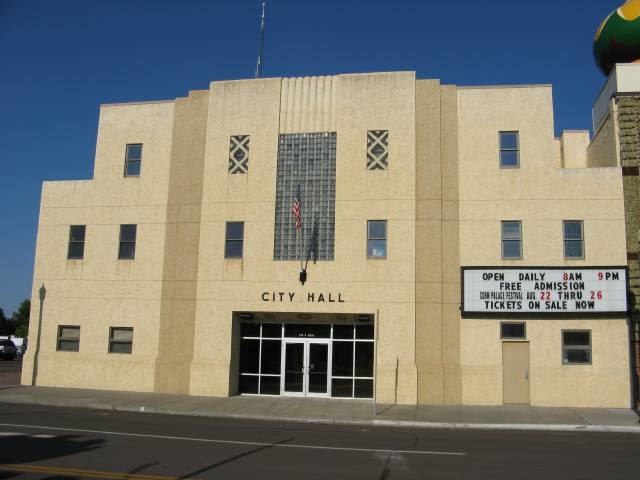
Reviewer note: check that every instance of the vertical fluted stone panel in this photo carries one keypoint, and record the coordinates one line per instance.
(628, 117)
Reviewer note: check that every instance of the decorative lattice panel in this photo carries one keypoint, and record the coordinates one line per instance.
(377, 149)
(307, 160)
(239, 154)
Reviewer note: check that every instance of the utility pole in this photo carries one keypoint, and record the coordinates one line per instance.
(259, 62)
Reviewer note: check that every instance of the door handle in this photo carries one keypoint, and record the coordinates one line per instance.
(526, 374)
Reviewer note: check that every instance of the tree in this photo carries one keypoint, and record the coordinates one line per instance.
(6, 327)
(3, 321)
(20, 319)
(22, 315)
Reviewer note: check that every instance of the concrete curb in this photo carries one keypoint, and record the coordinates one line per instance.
(342, 421)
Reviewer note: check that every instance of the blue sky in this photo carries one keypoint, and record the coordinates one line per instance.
(59, 60)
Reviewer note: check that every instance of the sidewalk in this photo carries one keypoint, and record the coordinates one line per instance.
(334, 410)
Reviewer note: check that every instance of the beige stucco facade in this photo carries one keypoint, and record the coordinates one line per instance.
(443, 196)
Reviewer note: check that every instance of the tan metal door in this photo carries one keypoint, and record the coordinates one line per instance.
(515, 372)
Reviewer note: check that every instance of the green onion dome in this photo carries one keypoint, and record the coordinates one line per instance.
(618, 38)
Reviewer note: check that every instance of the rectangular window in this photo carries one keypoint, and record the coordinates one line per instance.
(120, 339)
(512, 240)
(573, 239)
(260, 358)
(68, 338)
(127, 249)
(377, 239)
(576, 347)
(132, 160)
(306, 172)
(234, 240)
(512, 331)
(509, 150)
(76, 242)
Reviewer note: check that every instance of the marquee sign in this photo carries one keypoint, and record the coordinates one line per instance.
(545, 290)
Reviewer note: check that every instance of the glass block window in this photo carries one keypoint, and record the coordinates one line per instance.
(239, 154)
(377, 149)
(573, 239)
(306, 163)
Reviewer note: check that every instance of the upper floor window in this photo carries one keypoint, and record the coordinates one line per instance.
(127, 248)
(377, 149)
(512, 240)
(573, 233)
(377, 239)
(234, 240)
(68, 338)
(509, 150)
(576, 347)
(239, 154)
(132, 160)
(76, 242)
(120, 339)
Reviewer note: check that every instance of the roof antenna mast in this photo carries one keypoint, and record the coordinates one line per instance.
(259, 62)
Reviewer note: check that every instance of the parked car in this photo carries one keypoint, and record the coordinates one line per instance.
(8, 350)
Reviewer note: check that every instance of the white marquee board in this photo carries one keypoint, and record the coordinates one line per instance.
(593, 290)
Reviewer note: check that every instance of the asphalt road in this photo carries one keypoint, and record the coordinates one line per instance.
(57, 443)
(10, 371)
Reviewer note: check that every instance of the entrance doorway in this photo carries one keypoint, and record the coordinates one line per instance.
(306, 359)
(306, 368)
(515, 373)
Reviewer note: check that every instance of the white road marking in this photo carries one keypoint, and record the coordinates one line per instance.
(19, 434)
(237, 442)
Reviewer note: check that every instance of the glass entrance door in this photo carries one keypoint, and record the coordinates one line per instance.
(294, 368)
(317, 369)
(305, 368)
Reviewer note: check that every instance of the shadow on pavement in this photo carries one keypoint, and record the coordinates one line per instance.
(24, 449)
(233, 459)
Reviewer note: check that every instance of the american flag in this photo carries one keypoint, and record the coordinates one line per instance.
(296, 208)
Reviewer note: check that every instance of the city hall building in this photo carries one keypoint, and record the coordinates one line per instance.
(366, 236)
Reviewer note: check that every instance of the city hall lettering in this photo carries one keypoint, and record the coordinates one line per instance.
(310, 297)
(585, 290)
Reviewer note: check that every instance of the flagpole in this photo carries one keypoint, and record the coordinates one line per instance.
(260, 51)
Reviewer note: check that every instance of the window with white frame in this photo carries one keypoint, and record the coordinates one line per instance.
(377, 239)
(511, 239)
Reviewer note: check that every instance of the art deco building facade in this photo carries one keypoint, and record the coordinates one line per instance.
(455, 251)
